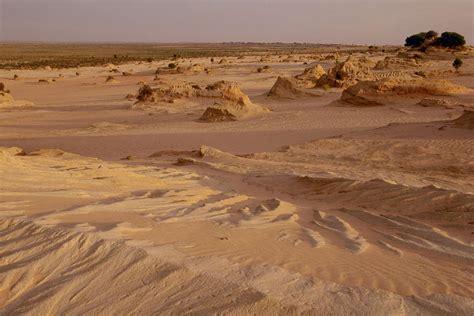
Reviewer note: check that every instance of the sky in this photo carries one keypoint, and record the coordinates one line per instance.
(312, 21)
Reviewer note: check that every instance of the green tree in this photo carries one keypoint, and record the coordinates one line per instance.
(415, 40)
(451, 40)
(457, 63)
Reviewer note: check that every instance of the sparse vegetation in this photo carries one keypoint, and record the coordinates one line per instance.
(144, 93)
(423, 40)
(457, 63)
(58, 56)
(172, 65)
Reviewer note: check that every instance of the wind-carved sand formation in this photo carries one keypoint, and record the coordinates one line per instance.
(331, 182)
(8, 102)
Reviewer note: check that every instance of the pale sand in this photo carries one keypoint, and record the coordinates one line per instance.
(354, 217)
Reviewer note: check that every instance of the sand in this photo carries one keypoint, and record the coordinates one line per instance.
(298, 203)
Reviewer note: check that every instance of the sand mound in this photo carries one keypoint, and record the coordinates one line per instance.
(8, 102)
(197, 68)
(165, 95)
(310, 76)
(347, 73)
(235, 104)
(232, 104)
(287, 87)
(111, 79)
(107, 126)
(466, 120)
(372, 93)
(390, 63)
(217, 114)
(46, 80)
(194, 69)
(429, 102)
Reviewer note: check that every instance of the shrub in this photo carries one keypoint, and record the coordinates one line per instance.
(2, 87)
(415, 40)
(451, 40)
(149, 59)
(172, 65)
(144, 93)
(457, 63)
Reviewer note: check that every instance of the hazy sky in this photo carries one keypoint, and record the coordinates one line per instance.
(316, 21)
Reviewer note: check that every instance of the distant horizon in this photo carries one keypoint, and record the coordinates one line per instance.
(190, 42)
(335, 22)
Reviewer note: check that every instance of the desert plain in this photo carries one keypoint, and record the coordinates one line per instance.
(273, 180)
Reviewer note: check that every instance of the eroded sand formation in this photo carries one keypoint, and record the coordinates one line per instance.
(347, 73)
(234, 104)
(287, 88)
(7, 102)
(373, 93)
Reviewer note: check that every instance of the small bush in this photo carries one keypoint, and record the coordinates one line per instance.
(457, 63)
(149, 59)
(172, 66)
(2, 87)
(144, 93)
